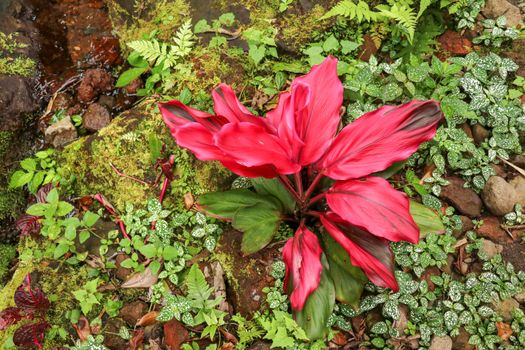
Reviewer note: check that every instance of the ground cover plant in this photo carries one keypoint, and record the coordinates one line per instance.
(273, 174)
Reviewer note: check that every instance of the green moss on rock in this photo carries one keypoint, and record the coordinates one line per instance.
(7, 254)
(123, 145)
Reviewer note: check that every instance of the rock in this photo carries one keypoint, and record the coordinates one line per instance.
(454, 43)
(94, 82)
(61, 133)
(260, 345)
(401, 323)
(496, 8)
(499, 196)
(466, 225)
(519, 188)
(479, 133)
(499, 170)
(490, 248)
(122, 273)
(519, 160)
(96, 117)
(465, 200)
(467, 129)
(514, 253)
(16, 101)
(520, 298)
(441, 343)
(246, 276)
(132, 312)
(107, 101)
(505, 307)
(111, 335)
(62, 101)
(175, 334)
(132, 87)
(490, 229)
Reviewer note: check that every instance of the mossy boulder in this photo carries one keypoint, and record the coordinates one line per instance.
(123, 147)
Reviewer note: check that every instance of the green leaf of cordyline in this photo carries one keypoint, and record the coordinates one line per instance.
(349, 280)
(259, 223)
(318, 307)
(426, 219)
(274, 188)
(225, 204)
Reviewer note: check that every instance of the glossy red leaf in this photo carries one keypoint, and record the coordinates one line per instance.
(380, 138)
(251, 145)
(30, 335)
(28, 224)
(176, 114)
(302, 257)
(199, 141)
(226, 104)
(9, 316)
(371, 203)
(29, 299)
(105, 203)
(370, 253)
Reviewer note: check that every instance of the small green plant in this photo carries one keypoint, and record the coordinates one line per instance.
(495, 32)
(36, 171)
(516, 217)
(261, 44)
(91, 343)
(88, 296)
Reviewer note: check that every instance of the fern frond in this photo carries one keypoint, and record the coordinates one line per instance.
(347, 8)
(403, 15)
(423, 5)
(183, 40)
(198, 288)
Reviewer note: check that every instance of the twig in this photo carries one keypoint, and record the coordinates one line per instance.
(119, 173)
(232, 35)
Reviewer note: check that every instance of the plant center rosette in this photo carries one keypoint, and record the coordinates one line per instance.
(306, 170)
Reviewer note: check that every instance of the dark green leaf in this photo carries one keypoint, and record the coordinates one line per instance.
(259, 223)
(226, 204)
(128, 76)
(427, 219)
(391, 170)
(313, 318)
(274, 188)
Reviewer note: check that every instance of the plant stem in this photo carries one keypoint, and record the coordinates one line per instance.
(286, 183)
(310, 189)
(299, 184)
(313, 213)
(317, 198)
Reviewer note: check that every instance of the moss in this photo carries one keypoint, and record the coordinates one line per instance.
(22, 66)
(124, 145)
(297, 28)
(165, 16)
(10, 202)
(7, 254)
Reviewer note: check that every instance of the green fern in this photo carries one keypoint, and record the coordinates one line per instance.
(198, 288)
(347, 8)
(403, 15)
(157, 53)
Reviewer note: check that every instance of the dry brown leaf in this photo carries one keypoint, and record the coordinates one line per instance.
(227, 346)
(189, 200)
(175, 334)
(504, 330)
(148, 319)
(135, 343)
(144, 279)
(82, 328)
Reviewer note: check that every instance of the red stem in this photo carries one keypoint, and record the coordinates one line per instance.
(313, 213)
(119, 173)
(122, 228)
(317, 198)
(299, 184)
(286, 183)
(164, 188)
(312, 186)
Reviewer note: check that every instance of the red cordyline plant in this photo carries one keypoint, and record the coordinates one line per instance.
(304, 169)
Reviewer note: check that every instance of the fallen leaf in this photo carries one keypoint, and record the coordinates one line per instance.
(227, 346)
(175, 334)
(144, 279)
(82, 328)
(135, 342)
(340, 339)
(188, 200)
(154, 345)
(148, 319)
(504, 330)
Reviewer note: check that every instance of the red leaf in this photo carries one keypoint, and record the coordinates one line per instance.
(199, 140)
(371, 253)
(42, 193)
(251, 145)
(176, 114)
(105, 203)
(373, 204)
(302, 257)
(82, 327)
(30, 335)
(175, 334)
(380, 138)
(33, 300)
(28, 224)
(9, 316)
(226, 104)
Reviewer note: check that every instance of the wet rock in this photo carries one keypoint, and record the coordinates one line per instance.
(260, 345)
(246, 276)
(132, 87)
(122, 273)
(454, 43)
(496, 8)
(441, 343)
(465, 200)
(61, 133)
(479, 133)
(132, 312)
(467, 129)
(499, 196)
(16, 101)
(490, 248)
(62, 102)
(519, 187)
(505, 307)
(490, 229)
(96, 117)
(95, 81)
